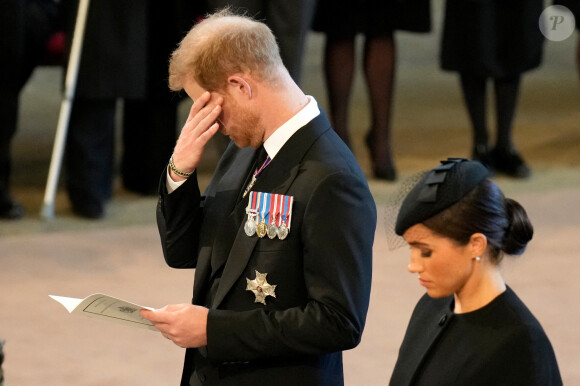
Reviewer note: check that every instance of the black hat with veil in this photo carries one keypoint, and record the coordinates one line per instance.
(425, 194)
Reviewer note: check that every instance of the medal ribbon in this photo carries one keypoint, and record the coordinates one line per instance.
(282, 217)
(273, 209)
(252, 203)
(259, 171)
(258, 200)
(255, 200)
(270, 208)
(265, 204)
(288, 210)
(256, 174)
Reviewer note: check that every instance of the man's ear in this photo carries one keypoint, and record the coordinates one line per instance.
(241, 85)
(478, 244)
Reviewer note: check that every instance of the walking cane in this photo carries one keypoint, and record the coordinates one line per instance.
(72, 71)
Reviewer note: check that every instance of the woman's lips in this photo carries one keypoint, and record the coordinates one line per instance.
(423, 282)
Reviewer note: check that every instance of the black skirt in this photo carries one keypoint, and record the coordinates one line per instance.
(492, 38)
(345, 18)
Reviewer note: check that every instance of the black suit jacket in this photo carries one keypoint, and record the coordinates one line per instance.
(322, 270)
(126, 45)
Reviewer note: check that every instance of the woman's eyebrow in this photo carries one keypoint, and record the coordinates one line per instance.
(417, 244)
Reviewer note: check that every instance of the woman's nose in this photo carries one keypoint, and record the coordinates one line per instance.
(415, 265)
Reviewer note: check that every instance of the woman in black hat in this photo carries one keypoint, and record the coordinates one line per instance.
(470, 328)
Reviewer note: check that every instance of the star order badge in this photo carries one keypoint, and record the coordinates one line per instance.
(260, 287)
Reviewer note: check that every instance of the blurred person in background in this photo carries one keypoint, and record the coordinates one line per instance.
(342, 21)
(125, 50)
(26, 28)
(574, 7)
(493, 40)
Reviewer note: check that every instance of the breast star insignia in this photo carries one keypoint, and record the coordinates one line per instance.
(260, 287)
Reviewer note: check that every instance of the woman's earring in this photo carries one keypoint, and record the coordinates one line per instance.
(478, 258)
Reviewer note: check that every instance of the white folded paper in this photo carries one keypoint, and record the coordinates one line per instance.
(107, 308)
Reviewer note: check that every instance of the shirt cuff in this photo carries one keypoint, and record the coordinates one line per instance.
(172, 185)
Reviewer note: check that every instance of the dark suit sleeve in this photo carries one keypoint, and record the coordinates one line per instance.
(337, 235)
(179, 218)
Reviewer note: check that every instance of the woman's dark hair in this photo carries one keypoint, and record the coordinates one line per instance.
(485, 209)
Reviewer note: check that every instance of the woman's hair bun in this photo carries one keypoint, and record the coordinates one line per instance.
(520, 230)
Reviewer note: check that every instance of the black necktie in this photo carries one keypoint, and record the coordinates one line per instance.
(261, 158)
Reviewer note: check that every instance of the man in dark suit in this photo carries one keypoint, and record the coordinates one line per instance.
(125, 49)
(282, 237)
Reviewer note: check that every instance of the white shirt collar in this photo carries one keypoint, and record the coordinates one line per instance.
(282, 134)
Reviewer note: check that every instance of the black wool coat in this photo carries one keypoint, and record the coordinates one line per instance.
(499, 344)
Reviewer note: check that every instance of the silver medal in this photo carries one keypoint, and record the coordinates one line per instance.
(250, 227)
(282, 231)
(272, 231)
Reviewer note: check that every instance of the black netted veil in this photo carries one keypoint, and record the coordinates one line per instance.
(394, 241)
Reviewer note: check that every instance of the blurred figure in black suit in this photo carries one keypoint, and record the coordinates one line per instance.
(125, 51)
(25, 29)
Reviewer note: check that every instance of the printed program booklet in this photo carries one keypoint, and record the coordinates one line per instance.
(106, 307)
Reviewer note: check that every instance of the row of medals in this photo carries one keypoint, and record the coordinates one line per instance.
(262, 229)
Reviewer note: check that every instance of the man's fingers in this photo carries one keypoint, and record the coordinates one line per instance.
(207, 122)
(198, 104)
(156, 316)
(147, 314)
(158, 319)
(204, 118)
(202, 107)
(194, 136)
(203, 122)
(208, 134)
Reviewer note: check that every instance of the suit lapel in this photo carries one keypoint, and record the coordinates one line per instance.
(202, 274)
(276, 178)
(224, 188)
